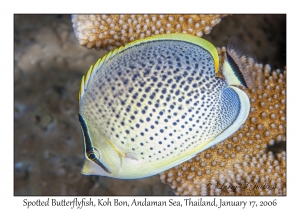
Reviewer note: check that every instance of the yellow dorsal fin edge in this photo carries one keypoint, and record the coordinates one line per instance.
(179, 37)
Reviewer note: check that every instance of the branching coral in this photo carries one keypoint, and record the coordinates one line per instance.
(111, 31)
(243, 164)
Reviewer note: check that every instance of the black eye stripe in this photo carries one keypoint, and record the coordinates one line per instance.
(84, 128)
(89, 149)
(236, 70)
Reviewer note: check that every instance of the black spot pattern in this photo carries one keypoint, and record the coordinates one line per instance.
(159, 99)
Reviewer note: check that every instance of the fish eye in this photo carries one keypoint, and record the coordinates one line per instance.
(93, 154)
(97, 153)
(95, 157)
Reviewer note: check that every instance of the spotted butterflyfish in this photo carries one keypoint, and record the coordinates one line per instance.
(157, 102)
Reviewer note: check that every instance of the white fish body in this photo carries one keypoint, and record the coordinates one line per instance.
(155, 103)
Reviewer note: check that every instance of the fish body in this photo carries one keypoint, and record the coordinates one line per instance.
(155, 103)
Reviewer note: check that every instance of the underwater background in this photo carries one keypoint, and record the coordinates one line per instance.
(48, 66)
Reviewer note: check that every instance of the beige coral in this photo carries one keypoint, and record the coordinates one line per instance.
(111, 31)
(243, 164)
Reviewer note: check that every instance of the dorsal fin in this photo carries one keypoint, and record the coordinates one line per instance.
(179, 37)
(239, 64)
(90, 73)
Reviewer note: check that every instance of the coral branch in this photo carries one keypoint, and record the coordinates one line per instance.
(111, 31)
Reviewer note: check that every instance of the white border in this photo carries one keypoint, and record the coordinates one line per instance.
(8, 201)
